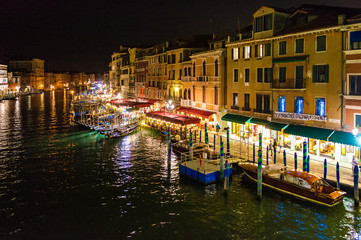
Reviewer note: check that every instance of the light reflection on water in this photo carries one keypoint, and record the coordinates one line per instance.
(60, 181)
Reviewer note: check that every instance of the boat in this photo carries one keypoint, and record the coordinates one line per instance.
(123, 131)
(182, 146)
(298, 183)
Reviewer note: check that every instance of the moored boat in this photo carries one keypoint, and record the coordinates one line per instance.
(297, 183)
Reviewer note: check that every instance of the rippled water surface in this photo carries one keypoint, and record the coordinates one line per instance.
(60, 181)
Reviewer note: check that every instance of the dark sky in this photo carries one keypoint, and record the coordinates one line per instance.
(81, 35)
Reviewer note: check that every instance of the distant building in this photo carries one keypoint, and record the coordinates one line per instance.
(3, 78)
(31, 71)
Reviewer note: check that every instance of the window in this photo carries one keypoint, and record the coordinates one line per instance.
(204, 94)
(216, 68)
(246, 51)
(259, 102)
(259, 75)
(268, 75)
(320, 107)
(164, 86)
(194, 69)
(173, 58)
(235, 75)
(355, 85)
(266, 103)
(300, 45)
(357, 120)
(194, 93)
(246, 102)
(320, 73)
(180, 57)
(282, 74)
(235, 53)
(282, 48)
(180, 73)
(246, 75)
(298, 104)
(263, 23)
(185, 72)
(281, 103)
(235, 99)
(267, 50)
(321, 43)
(258, 50)
(216, 96)
(355, 40)
(204, 68)
(261, 50)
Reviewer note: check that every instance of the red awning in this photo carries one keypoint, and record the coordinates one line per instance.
(173, 118)
(197, 112)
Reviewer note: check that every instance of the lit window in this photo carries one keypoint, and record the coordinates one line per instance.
(298, 104)
(320, 107)
(247, 51)
(261, 50)
(235, 53)
(281, 103)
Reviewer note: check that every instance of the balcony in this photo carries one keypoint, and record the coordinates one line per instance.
(234, 107)
(289, 84)
(214, 78)
(186, 78)
(186, 103)
(202, 79)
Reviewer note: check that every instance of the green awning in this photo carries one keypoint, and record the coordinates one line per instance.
(310, 132)
(276, 126)
(235, 118)
(259, 121)
(286, 60)
(344, 138)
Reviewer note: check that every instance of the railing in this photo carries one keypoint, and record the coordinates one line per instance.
(214, 78)
(235, 107)
(186, 102)
(186, 78)
(289, 84)
(202, 79)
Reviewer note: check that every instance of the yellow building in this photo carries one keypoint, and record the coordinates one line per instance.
(32, 72)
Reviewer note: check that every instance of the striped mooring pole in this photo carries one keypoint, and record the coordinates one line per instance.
(259, 175)
(304, 151)
(355, 186)
(267, 154)
(295, 161)
(221, 160)
(214, 142)
(325, 169)
(284, 158)
(308, 163)
(274, 155)
(338, 175)
(226, 175)
(195, 136)
(200, 135)
(190, 146)
(205, 134)
(228, 146)
(260, 141)
(169, 148)
(254, 153)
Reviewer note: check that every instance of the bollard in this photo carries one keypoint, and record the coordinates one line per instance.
(214, 142)
(295, 161)
(200, 135)
(205, 134)
(284, 158)
(267, 154)
(260, 141)
(181, 137)
(221, 160)
(169, 148)
(325, 169)
(308, 163)
(355, 186)
(274, 155)
(259, 175)
(254, 153)
(304, 157)
(338, 175)
(228, 145)
(191, 146)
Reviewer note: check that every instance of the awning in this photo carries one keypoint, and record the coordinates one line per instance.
(344, 138)
(173, 118)
(196, 112)
(259, 121)
(235, 118)
(276, 126)
(310, 132)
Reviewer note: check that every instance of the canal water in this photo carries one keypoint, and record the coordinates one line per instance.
(61, 181)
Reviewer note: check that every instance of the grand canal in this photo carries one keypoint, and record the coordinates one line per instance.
(59, 181)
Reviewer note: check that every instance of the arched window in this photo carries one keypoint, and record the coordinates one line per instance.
(216, 67)
(189, 71)
(194, 69)
(185, 72)
(185, 94)
(189, 93)
(204, 68)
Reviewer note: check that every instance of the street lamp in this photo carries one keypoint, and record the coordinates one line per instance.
(169, 106)
(354, 131)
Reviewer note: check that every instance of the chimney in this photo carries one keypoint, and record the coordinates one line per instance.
(341, 19)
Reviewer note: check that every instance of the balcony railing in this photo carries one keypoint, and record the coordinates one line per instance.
(186, 78)
(186, 102)
(202, 79)
(289, 84)
(214, 78)
(235, 107)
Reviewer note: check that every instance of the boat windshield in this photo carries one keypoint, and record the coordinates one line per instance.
(297, 181)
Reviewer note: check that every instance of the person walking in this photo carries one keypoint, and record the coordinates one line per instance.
(271, 146)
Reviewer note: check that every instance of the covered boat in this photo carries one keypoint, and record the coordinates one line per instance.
(297, 183)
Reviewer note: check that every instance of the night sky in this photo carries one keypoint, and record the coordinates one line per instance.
(81, 35)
